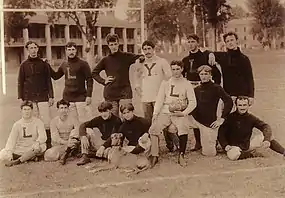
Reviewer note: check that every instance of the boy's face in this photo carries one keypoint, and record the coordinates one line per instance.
(231, 42)
(148, 51)
(105, 114)
(27, 112)
(33, 50)
(63, 110)
(205, 76)
(192, 44)
(113, 46)
(71, 52)
(128, 115)
(176, 71)
(242, 106)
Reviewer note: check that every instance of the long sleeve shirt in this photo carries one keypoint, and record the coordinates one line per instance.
(208, 95)
(132, 130)
(152, 72)
(106, 127)
(78, 79)
(34, 82)
(237, 73)
(25, 134)
(116, 65)
(237, 130)
(172, 90)
(61, 130)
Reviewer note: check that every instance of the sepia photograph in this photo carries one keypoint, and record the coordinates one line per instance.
(142, 98)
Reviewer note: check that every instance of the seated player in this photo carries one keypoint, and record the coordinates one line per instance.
(174, 102)
(103, 126)
(134, 129)
(235, 135)
(64, 134)
(208, 95)
(27, 139)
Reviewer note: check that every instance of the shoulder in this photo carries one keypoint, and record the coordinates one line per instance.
(18, 123)
(185, 58)
(55, 119)
(38, 121)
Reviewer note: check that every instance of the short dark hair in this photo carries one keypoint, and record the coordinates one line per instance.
(27, 103)
(207, 68)
(128, 106)
(31, 42)
(112, 38)
(62, 102)
(242, 98)
(177, 62)
(71, 44)
(148, 43)
(193, 36)
(230, 34)
(104, 106)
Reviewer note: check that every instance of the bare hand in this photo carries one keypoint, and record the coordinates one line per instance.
(217, 123)
(154, 117)
(265, 144)
(228, 147)
(212, 59)
(139, 91)
(250, 101)
(178, 114)
(50, 101)
(88, 101)
(109, 79)
(100, 151)
(84, 142)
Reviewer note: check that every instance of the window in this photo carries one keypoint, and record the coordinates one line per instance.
(236, 29)
(244, 38)
(244, 29)
(58, 52)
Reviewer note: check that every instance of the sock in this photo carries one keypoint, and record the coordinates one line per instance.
(197, 137)
(275, 146)
(182, 143)
(48, 142)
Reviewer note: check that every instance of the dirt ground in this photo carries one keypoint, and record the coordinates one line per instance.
(203, 177)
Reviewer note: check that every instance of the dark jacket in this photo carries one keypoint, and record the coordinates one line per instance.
(237, 73)
(237, 130)
(132, 130)
(207, 96)
(34, 82)
(117, 65)
(77, 73)
(106, 127)
(193, 61)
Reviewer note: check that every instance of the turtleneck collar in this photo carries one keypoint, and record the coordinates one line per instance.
(207, 83)
(33, 59)
(116, 53)
(237, 51)
(72, 59)
(193, 53)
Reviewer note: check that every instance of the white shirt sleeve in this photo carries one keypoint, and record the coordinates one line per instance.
(55, 137)
(42, 137)
(13, 137)
(160, 98)
(166, 69)
(192, 103)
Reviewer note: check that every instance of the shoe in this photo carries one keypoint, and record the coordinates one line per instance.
(12, 163)
(84, 160)
(153, 161)
(196, 148)
(181, 160)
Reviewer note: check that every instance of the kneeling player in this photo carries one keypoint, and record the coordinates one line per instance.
(235, 134)
(27, 139)
(171, 93)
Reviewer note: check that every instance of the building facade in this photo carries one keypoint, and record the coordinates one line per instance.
(52, 38)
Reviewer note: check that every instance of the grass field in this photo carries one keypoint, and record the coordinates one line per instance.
(203, 177)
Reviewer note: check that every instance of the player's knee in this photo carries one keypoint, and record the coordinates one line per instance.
(172, 129)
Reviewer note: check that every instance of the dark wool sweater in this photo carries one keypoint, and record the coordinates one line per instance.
(117, 65)
(106, 127)
(193, 61)
(132, 130)
(77, 72)
(237, 130)
(237, 73)
(34, 82)
(208, 95)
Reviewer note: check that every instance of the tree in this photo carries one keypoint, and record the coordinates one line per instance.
(238, 12)
(268, 19)
(89, 18)
(15, 22)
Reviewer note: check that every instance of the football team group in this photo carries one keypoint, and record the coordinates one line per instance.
(207, 93)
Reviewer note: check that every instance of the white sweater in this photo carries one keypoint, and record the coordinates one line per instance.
(152, 72)
(25, 134)
(174, 89)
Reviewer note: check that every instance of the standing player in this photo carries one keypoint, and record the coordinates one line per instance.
(117, 87)
(34, 84)
(167, 110)
(77, 73)
(152, 72)
(192, 62)
(27, 138)
(236, 69)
